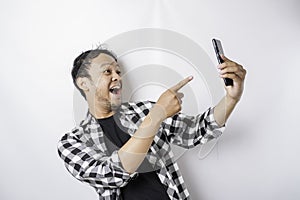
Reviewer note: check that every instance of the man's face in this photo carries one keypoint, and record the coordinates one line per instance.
(106, 82)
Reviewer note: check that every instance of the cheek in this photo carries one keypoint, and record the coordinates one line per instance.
(102, 87)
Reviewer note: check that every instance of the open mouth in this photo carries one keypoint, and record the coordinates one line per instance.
(115, 89)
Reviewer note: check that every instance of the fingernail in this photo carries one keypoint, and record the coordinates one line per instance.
(191, 77)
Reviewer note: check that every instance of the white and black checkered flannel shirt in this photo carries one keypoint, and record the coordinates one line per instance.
(86, 156)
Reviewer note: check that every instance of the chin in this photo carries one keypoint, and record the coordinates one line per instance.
(116, 105)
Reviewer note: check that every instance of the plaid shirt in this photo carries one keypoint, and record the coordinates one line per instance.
(86, 156)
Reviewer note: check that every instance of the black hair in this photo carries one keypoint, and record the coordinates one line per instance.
(81, 64)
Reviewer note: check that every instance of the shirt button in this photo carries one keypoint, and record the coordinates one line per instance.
(130, 131)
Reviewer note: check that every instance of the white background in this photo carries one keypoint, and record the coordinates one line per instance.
(256, 158)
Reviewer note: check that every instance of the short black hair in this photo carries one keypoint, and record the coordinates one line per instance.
(82, 63)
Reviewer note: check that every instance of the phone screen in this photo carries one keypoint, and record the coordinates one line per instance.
(219, 50)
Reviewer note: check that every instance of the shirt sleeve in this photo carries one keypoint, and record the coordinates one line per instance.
(91, 166)
(189, 131)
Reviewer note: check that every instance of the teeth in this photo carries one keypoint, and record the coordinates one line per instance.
(115, 89)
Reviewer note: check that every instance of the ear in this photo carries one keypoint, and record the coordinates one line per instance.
(83, 83)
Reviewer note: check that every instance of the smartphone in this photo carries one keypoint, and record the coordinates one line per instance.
(219, 50)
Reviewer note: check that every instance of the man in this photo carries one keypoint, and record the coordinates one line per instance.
(123, 149)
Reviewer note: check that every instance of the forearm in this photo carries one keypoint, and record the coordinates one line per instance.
(223, 109)
(236, 72)
(133, 153)
(135, 149)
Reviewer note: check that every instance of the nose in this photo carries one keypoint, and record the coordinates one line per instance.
(116, 76)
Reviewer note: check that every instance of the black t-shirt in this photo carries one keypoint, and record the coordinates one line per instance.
(146, 185)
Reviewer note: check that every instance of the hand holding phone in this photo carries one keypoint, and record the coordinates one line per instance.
(219, 50)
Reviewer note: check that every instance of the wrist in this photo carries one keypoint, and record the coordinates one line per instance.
(157, 114)
(230, 100)
(151, 123)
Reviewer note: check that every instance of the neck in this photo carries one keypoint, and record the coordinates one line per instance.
(100, 114)
(99, 110)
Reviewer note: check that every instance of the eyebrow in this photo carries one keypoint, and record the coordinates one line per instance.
(104, 64)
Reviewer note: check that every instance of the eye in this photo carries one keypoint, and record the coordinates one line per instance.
(118, 72)
(107, 71)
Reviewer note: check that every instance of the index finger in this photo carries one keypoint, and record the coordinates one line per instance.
(225, 58)
(182, 83)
